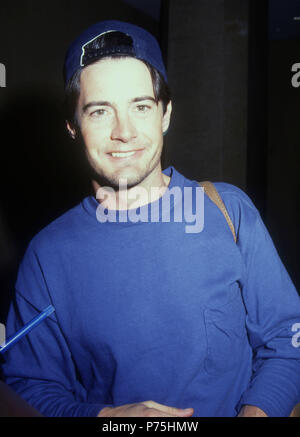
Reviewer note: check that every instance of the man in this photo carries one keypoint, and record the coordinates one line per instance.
(152, 316)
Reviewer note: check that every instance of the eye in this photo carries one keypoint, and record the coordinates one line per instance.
(143, 108)
(98, 113)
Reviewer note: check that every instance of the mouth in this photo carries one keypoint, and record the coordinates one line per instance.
(125, 154)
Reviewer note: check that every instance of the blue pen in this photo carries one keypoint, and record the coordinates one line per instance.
(27, 328)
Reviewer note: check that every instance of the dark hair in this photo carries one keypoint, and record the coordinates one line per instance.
(108, 41)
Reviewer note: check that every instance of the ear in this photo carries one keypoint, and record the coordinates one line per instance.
(71, 130)
(167, 117)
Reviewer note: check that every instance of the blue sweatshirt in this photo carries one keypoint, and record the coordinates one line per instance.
(148, 311)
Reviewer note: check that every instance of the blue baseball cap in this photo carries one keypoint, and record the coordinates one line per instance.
(84, 50)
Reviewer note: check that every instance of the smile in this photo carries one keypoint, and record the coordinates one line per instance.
(122, 154)
(125, 154)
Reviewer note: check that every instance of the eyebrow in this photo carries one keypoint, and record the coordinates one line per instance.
(107, 103)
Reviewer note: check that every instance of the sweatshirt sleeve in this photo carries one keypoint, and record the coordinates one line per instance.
(273, 317)
(40, 367)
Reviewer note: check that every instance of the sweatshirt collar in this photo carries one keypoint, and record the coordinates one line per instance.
(91, 205)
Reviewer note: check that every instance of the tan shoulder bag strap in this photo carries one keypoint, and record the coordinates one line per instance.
(213, 194)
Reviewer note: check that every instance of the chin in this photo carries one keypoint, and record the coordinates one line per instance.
(113, 180)
(131, 180)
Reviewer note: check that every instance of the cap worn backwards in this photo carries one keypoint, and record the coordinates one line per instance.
(141, 45)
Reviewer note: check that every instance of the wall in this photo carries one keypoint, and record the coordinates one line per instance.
(207, 63)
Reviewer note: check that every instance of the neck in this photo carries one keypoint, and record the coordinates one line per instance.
(149, 190)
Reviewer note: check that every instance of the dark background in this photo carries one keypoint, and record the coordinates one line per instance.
(235, 114)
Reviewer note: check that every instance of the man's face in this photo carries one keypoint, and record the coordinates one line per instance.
(121, 125)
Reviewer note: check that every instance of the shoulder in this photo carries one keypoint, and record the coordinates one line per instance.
(234, 196)
(246, 218)
(239, 205)
(61, 230)
(46, 254)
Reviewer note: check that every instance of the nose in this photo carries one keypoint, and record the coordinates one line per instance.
(123, 129)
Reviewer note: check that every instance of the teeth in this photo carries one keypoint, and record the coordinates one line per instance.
(122, 154)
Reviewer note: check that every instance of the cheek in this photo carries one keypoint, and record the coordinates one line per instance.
(93, 138)
(152, 128)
